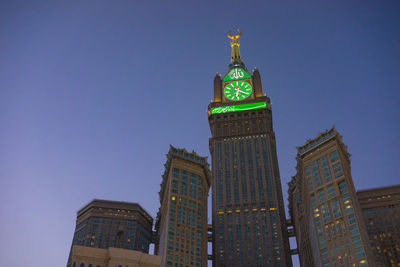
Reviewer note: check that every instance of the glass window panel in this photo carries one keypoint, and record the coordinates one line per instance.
(331, 190)
(321, 195)
(325, 169)
(343, 227)
(356, 240)
(192, 185)
(184, 182)
(336, 208)
(359, 252)
(307, 171)
(316, 173)
(351, 219)
(325, 212)
(334, 156)
(337, 167)
(175, 172)
(338, 228)
(309, 183)
(343, 187)
(353, 229)
(313, 202)
(339, 174)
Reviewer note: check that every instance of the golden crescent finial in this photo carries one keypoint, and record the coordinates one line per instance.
(234, 36)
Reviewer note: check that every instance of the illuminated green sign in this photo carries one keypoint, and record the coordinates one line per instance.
(236, 74)
(240, 107)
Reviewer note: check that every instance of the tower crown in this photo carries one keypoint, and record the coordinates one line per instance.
(236, 60)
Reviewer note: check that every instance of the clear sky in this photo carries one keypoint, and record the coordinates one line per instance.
(93, 92)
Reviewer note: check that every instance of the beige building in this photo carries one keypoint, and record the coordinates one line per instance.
(181, 223)
(323, 205)
(105, 223)
(381, 210)
(112, 257)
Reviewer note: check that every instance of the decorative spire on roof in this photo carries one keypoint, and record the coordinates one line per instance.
(236, 60)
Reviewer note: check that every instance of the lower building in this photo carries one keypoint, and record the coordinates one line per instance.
(323, 205)
(381, 210)
(112, 257)
(104, 224)
(181, 224)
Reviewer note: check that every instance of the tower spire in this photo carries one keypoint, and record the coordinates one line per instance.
(236, 60)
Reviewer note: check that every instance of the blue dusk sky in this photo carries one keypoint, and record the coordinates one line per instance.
(92, 93)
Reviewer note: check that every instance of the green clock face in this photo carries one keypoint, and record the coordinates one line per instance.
(238, 90)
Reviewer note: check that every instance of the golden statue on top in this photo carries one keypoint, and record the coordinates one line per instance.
(236, 60)
(234, 36)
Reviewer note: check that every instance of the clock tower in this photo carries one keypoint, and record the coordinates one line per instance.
(249, 224)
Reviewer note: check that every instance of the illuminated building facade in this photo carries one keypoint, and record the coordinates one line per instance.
(249, 224)
(381, 211)
(181, 224)
(104, 224)
(323, 205)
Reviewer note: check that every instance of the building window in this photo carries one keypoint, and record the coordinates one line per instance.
(181, 215)
(316, 174)
(191, 217)
(325, 169)
(192, 191)
(175, 172)
(184, 183)
(325, 212)
(220, 194)
(359, 252)
(174, 187)
(334, 156)
(337, 169)
(343, 227)
(356, 240)
(353, 229)
(307, 171)
(309, 183)
(313, 202)
(336, 208)
(331, 190)
(321, 195)
(343, 187)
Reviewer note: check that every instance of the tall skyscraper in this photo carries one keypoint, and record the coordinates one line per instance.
(381, 211)
(104, 224)
(323, 206)
(181, 224)
(249, 224)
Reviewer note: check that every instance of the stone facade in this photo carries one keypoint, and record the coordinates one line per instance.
(112, 257)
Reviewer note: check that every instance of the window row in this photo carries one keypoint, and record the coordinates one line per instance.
(313, 171)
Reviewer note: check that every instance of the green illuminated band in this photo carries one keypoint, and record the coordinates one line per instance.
(240, 107)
